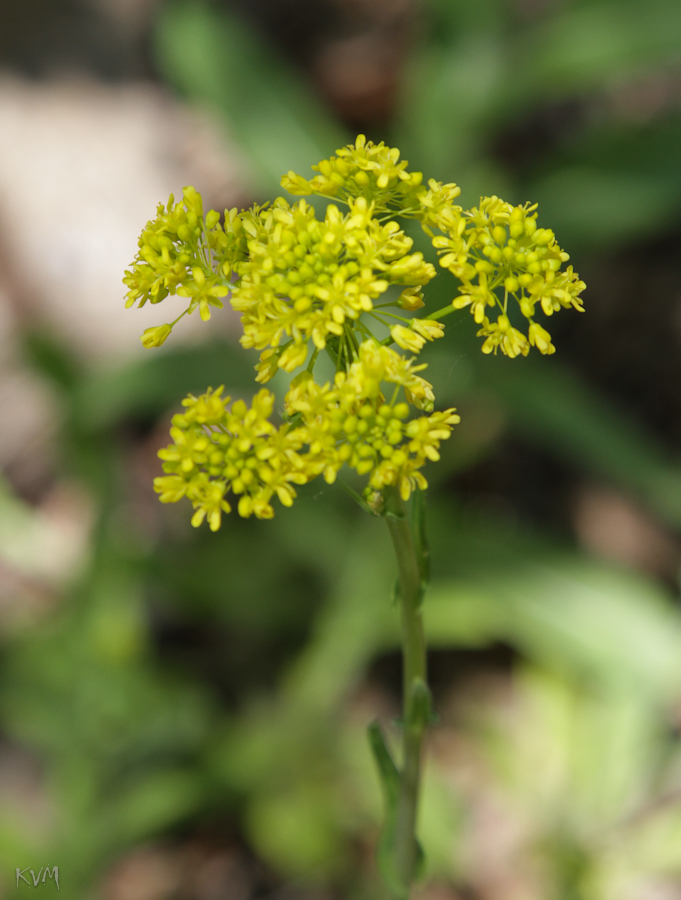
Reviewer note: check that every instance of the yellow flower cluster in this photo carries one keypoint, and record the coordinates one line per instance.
(305, 278)
(182, 252)
(498, 247)
(374, 172)
(362, 169)
(216, 449)
(351, 422)
(299, 279)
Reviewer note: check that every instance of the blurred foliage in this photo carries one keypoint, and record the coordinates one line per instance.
(186, 677)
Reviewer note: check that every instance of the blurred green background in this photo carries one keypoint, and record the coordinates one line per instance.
(182, 714)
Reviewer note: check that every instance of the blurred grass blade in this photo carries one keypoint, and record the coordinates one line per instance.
(158, 800)
(586, 43)
(551, 406)
(215, 59)
(575, 618)
(589, 206)
(619, 181)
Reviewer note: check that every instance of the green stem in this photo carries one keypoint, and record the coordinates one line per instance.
(416, 708)
(392, 316)
(313, 359)
(175, 321)
(445, 311)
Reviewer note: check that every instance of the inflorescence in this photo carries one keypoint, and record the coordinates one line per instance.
(304, 284)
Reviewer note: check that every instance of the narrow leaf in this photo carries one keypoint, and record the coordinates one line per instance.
(387, 770)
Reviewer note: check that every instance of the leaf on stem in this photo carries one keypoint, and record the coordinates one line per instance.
(389, 776)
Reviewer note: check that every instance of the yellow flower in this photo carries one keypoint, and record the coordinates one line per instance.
(268, 366)
(437, 209)
(363, 169)
(171, 488)
(478, 298)
(182, 252)
(293, 357)
(350, 422)
(154, 337)
(501, 334)
(541, 339)
(305, 278)
(217, 449)
(415, 337)
(406, 338)
(298, 279)
(498, 247)
(411, 298)
(204, 292)
(377, 363)
(207, 498)
(428, 328)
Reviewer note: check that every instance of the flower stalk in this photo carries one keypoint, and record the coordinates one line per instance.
(416, 712)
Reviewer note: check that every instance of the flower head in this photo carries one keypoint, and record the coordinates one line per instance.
(173, 245)
(363, 169)
(217, 449)
(350, 422)
(305, 278)
(304, 283)
(499, 247)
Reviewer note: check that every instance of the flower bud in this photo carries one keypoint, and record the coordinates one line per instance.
(411, 298)
(154, 337)
(428, 328)
(541, 339)
(406, 338)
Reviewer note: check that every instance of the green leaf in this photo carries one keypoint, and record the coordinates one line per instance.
(575, 618)
(551, 404)
(389, 777)
(388, 772)
(588, 206)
